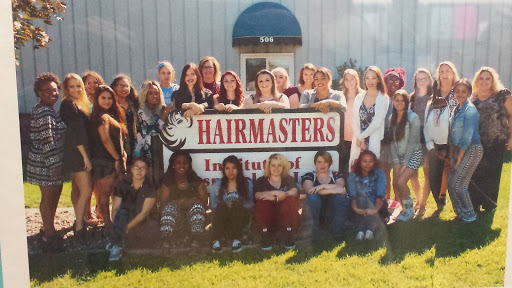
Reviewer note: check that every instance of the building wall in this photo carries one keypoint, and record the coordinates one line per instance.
(130, 36)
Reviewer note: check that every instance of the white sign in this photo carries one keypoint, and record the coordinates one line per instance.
(253, 136)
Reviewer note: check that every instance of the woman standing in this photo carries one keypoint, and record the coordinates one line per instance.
(326, 192)
(282, 79)
(210, 74)
(183, 198)
(366, 187)
(350, 86)
(192, 96)
(466, 150)
(494, 104)
(45, 157)
(166, 75)
(266, 96)
(231, 199)
(150, 120)
(74, 110)
(437, 115)
(306, 82)
(322, 97)
(91, 81)
(395, 80)
(127, 98)
(276, 202)
(405, 149)
(231, 95)
(107, 132)
(369, 114)
(419, 99)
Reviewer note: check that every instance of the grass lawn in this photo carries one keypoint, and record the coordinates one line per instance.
(432, 252)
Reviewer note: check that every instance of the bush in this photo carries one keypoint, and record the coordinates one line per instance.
(351, 64)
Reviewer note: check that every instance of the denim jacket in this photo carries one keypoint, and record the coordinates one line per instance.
(464, 126)
(375, 185)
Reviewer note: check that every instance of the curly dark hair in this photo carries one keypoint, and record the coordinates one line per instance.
(169, 177)
(242, 186)
(239, 91)
(133, 97)
(45, 78)
(356, 167)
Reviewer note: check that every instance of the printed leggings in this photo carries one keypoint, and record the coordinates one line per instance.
(174, 215)
(458, 181)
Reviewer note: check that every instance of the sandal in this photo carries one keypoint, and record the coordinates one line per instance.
(420, 212)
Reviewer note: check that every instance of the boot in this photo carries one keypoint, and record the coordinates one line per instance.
(407, 210)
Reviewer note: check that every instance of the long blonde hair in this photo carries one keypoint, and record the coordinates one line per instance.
(496, 82)
(354, 73)
(83, 101)
(454, 70)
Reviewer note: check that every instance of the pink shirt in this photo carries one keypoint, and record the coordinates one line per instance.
(348, 119)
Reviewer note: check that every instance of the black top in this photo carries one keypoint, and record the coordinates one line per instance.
(263, 185)
(183, 96)
(76, 134)
(133, 199)
(312, 177)
(98, 150)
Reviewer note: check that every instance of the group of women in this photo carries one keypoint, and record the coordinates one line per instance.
(107, 137)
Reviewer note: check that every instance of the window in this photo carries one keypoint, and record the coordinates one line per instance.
(252, 63)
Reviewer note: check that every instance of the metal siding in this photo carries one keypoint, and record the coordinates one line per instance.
(150, 41)
(191, 31)
(123, 37)
(123, 41)
(163, 30)
(108, 39)
(137, 51)
(94, 26)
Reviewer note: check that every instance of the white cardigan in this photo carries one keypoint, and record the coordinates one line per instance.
(376, 129)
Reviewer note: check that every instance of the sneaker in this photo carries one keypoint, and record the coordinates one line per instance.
(115, 253)
(236, 246)
(289, 242)
(368, 235)
(216, 248)
(109, 246)
(266, 244)
(360, 235)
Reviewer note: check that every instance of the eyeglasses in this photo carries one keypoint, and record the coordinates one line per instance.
(207, 67)
(123, 85)
(140, 168)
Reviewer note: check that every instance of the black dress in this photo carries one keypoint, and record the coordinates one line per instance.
(76, 135)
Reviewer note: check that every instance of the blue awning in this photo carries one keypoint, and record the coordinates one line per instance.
(266, 23)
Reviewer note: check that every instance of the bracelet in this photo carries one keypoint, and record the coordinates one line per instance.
(118, 159)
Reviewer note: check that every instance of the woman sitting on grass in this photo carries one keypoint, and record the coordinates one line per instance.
(326, 192)
(134, 197)
(366, 188)
(183, 197)
(276, 202)
(231, 200)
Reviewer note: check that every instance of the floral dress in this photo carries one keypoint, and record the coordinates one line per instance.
(147, 142)
(366, 117)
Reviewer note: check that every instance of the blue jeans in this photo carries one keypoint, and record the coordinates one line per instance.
(337, 208)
